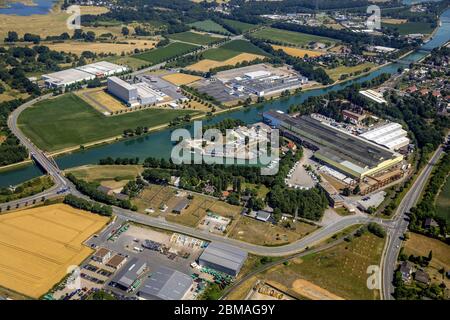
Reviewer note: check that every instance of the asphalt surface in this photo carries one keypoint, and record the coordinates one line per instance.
(399, 226)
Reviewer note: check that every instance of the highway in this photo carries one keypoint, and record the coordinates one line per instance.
(399, 226)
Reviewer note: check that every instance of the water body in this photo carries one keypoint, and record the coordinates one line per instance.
(158, 144)
(39, 7)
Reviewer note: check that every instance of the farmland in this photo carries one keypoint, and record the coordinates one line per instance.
(207, 64)
(238, 25)
(38, 245)
(297, 52)
(232, 49)
(443, 201)
(410, 27)
(127, 47)
(68, 121)
(285, 36)
(209, 26)
(194, 38)
(162, 54)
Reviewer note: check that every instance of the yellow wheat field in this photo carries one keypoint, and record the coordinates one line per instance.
(127, 46)
(181, 78)
(38, 245)
(206, 65)
(297, 52)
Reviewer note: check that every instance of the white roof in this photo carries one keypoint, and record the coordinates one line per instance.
(121, 83)
(257, 74)
(67, 76)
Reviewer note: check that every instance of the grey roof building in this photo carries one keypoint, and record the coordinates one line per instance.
(130, 273)
(181, 205)
(223, 257)
(166, 284)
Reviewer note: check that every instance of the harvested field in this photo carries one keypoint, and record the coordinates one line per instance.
(181, 78)
(420, 245)
(127, 47)
(394, 21)
(313, 292)
(206, 65)
(101, 100)
(296, 52)
(38, 245)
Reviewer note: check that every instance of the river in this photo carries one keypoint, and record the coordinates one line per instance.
(158, 144)
(20, 9)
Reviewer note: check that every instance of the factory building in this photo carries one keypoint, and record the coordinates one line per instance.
(351, 155)
(373, 95)
(88, 72)
(223, 257)
(127, 277)
(122, 90)
(391, 136)
(166, 284)
(134, 94)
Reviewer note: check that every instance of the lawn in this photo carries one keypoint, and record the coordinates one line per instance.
(443, 201)
(238, 25)
(68, 121)
(336, 73)
(340, 270)
(194, 38)
(410, 27)
(209, 26)
(291, 37)
(165, 53)
(105, 174)
(232, 49)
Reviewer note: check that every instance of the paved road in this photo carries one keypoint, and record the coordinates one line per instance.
(399, 226)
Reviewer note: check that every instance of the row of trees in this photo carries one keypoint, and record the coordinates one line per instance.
(83, 204)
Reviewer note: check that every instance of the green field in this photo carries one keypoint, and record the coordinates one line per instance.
(195, 38)
(162, 54)
(68, 121)
(232, 49)
(240, 26)
(290, 37)
(336, 73)
(443, 201)
(410, 27)
(209, 26)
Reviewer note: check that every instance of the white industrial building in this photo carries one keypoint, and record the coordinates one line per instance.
(88, 72)
(390, 135)
(373, 95)
(134, 94)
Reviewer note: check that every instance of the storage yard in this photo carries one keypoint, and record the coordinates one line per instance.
(39, 244)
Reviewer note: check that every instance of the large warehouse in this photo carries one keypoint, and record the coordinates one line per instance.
(134, 94)
(166, 284)
(390, 135)
(345, 152)
(223, 257)
(84, 73)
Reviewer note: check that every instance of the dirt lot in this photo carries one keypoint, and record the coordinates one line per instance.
(313, 292)
(100, 47)
(181, 78)
(207, 64)
(264, 233)
(297, 52)
(38, 245)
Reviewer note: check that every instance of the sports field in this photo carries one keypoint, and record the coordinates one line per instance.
(238, 25)
(443, 201)
(162, 54)
(68, 121)
(209, 26)
(285, 36)
(181, 78)
(38, 245)
(194, 37)
(297, 52)
(232, 49)
(207, 64)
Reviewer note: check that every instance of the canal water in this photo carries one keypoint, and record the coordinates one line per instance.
(158, 144)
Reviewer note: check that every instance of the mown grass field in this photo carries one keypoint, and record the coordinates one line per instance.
(336, 73)
(410, 27)
(443, 201)
(193, 37)
(285, 36)
(232, 49)
(161, 54)
(209, 26)
(238, 25)
(68, 121)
